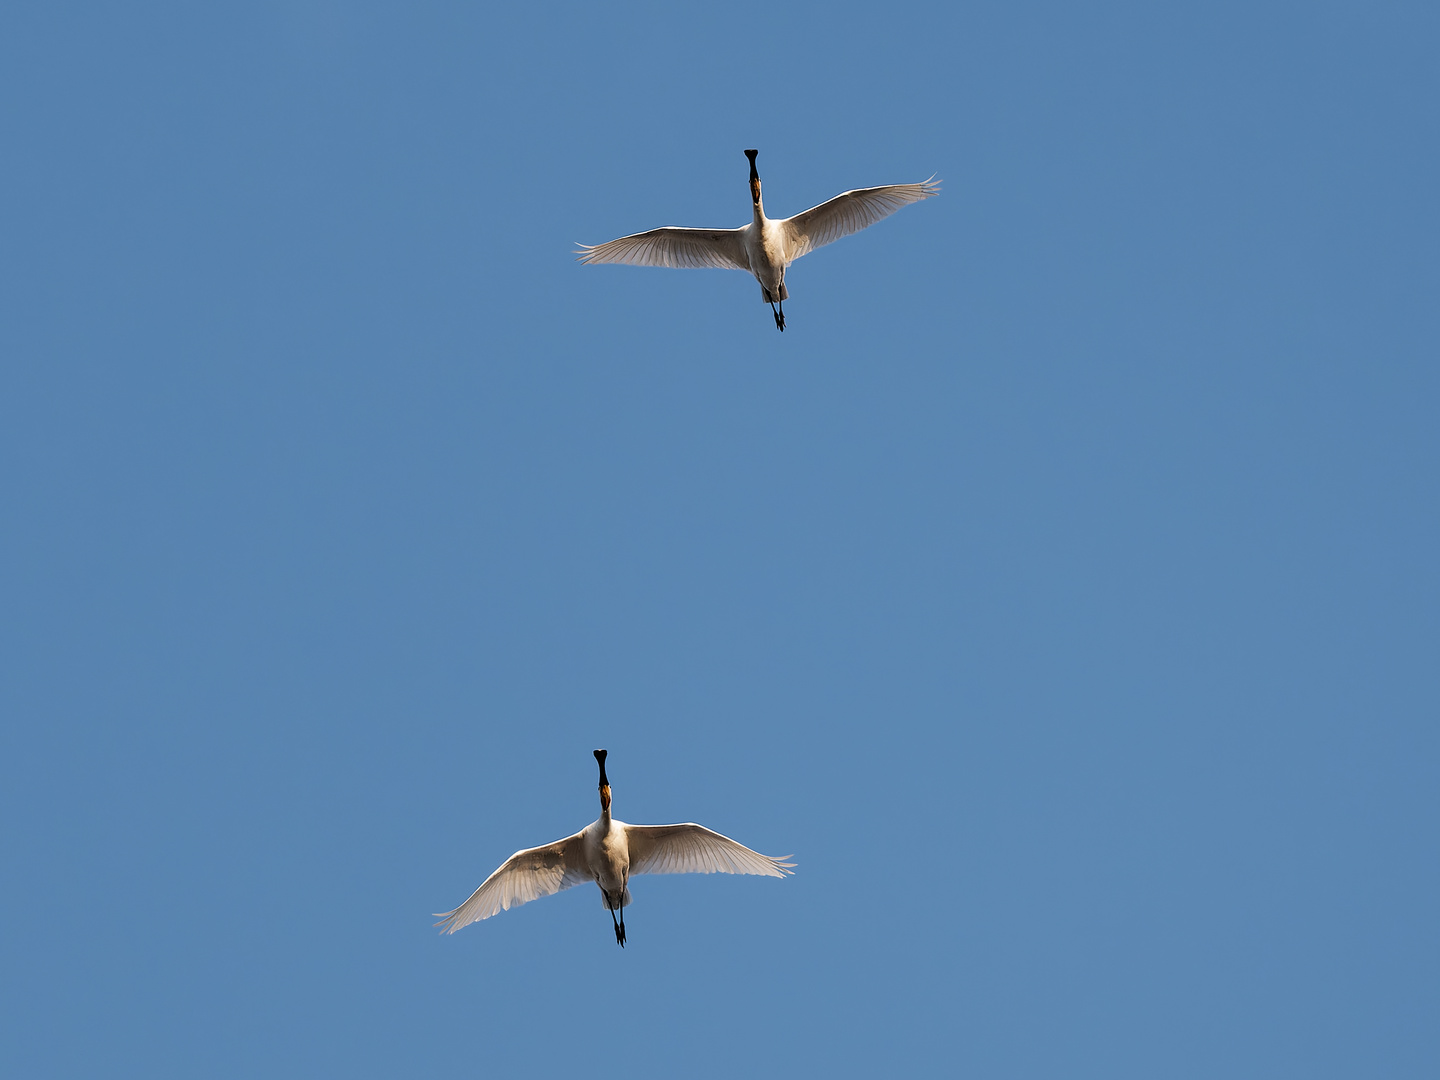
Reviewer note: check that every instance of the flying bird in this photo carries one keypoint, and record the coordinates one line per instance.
(609, 853)
(767, 246)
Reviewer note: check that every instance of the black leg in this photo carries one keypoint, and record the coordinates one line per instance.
(619, 923)
(619, 927)
(781, 317)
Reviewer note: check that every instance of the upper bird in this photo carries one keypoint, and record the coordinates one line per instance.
(767, 246)
(608, 852)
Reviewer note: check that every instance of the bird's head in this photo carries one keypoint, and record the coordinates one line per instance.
(754, 177)
(604, 781)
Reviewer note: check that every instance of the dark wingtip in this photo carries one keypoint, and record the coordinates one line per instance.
(600, 754)
(751, 154)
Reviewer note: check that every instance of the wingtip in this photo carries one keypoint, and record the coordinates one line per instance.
(447, 921)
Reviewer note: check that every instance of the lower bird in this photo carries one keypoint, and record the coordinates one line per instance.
(609, 853)
(767, 246)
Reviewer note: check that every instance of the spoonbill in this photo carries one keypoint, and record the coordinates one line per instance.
(609, 852)
(765, 247)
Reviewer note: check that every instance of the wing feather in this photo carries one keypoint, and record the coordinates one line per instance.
(693, 849)
(527, 875)
(685, 249)
(849, 212)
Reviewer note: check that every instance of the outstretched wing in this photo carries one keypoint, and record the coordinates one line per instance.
(685, 249)
(694, 849)
(527, 875)
(849, 212)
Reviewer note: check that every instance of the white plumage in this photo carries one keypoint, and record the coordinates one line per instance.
(766, 246)
(609, 853)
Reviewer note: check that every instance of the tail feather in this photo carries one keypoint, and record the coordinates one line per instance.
(605, 899)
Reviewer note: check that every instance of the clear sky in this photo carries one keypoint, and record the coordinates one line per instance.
(1061, 587)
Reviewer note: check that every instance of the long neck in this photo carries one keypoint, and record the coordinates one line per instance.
(604, 788)
(756, 201)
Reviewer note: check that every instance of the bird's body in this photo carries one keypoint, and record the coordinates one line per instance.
(605, 853)
(608, 852)
(765, 250)
(767, 246)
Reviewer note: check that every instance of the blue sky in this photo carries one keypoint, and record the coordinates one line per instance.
(1061, 586)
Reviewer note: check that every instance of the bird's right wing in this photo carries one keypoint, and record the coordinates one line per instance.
(693, 849)
(527, 875)
(685, 249)
(849, 212)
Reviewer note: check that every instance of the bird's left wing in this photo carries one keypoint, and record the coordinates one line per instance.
(849, 212)
(527, 875)
(693, 849)
(685, 249)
